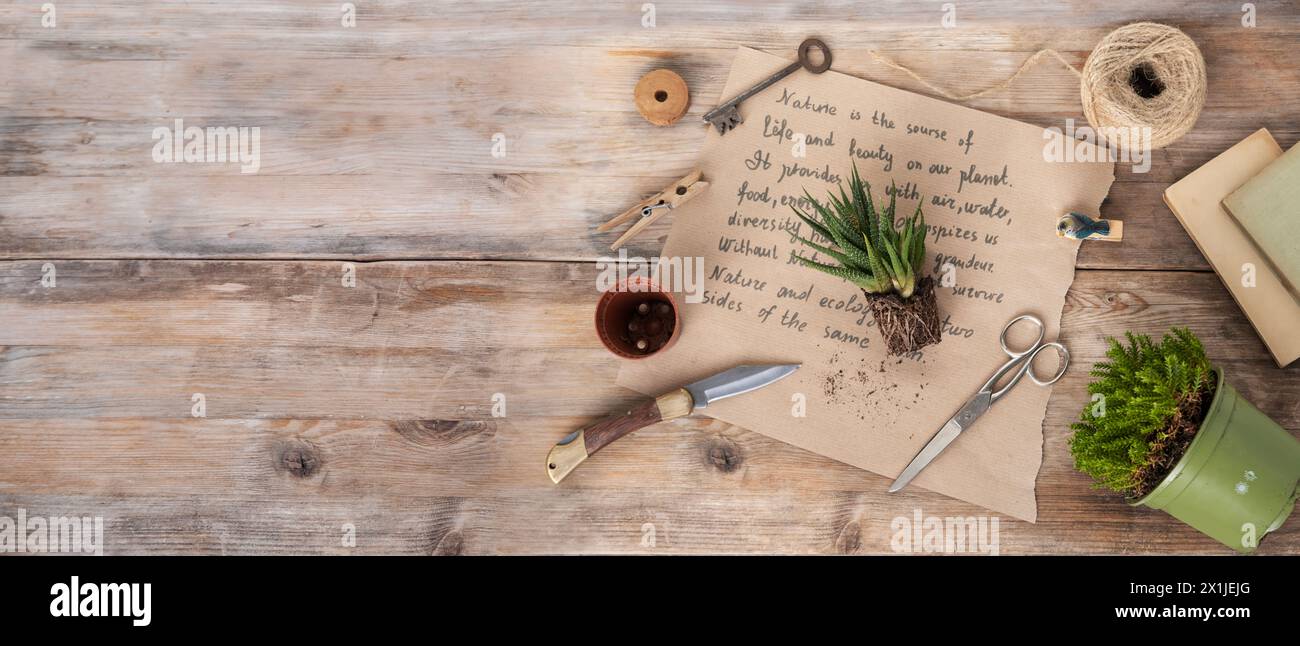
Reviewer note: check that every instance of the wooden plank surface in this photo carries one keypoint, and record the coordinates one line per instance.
(415, 93)
(372, 406)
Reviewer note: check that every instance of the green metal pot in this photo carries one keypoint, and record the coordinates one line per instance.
(1237, 480)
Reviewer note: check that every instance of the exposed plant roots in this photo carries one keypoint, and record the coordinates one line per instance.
(907, 324)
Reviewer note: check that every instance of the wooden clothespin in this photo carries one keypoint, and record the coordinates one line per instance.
(651, 208)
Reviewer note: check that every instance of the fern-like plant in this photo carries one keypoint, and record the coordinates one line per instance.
(1143, 387)
(872, 253)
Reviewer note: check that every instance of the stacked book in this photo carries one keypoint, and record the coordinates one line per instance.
(1242, 209)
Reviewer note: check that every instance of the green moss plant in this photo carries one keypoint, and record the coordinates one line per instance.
(1150, 399)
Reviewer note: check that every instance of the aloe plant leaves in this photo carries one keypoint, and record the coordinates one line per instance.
(873, 251)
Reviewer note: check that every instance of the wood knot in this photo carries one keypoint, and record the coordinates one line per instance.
(297, 457)
(450, 544)
(440, 432)
(724, 455)
(849, 540)
(1123, 301)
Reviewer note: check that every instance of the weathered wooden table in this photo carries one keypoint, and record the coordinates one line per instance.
(366, 412)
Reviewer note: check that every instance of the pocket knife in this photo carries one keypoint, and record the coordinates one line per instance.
(583, 443)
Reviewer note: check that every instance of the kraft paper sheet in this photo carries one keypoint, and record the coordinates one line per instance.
(996, 230)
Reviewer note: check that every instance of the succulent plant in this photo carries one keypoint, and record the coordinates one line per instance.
(872, 253)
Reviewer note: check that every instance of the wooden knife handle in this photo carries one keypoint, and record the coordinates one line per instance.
(582, 444)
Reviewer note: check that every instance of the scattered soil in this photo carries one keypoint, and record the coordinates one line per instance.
(833, 383)
(907, 325)
(1177, 436)
(860, 387)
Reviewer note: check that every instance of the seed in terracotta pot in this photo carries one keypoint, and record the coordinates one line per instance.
(634, 326)
(643, 309)
(642, 344)
(653, 327)
(662, 309)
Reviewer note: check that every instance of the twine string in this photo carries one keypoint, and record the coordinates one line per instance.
(1029, 62)
(1110, 102)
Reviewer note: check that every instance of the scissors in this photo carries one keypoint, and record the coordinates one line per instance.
(1022, 362)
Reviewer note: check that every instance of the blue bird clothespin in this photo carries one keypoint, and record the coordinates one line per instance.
(1078, 226)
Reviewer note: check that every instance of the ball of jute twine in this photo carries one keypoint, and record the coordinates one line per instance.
(1143, 75)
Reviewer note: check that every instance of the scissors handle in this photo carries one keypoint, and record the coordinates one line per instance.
(1022, 361)
(1002, 338)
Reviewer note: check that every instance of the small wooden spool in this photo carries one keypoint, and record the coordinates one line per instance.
(662, 97)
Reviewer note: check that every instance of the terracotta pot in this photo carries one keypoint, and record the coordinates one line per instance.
(625, 316)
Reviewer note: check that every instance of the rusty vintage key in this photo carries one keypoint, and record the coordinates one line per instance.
(727, 116)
